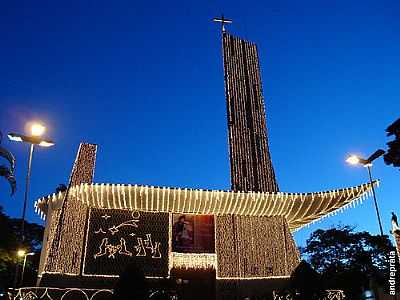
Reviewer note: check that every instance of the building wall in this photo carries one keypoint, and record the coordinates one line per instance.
(52, 218)
(66, 226)
(254, 247)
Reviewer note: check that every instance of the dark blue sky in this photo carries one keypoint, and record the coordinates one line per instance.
(144, 80)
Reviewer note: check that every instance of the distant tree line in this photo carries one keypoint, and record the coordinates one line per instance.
(10, 243)
(348, 260)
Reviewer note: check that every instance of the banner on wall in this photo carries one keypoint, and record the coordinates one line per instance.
(193, 233)
(116, 237)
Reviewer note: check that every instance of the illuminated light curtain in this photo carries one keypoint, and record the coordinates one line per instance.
(203, 261)
(254, 247)
(50, 231)
(66, 247)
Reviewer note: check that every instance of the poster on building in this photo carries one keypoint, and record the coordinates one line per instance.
(193, 233)
(117, 237)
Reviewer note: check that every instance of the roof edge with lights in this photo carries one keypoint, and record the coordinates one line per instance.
(299, 209)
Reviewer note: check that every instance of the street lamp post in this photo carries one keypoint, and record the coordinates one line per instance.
(355, 160)
(374, 195)
(22, 253)
(36, 130)
(27, 182)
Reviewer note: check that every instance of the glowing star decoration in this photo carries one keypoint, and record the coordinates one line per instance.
(105, 217)
(134, 223)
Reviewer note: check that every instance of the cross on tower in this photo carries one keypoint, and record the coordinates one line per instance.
(223, 21)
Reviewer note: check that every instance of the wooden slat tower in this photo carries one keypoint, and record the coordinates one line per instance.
(240, 242)
(251, 165)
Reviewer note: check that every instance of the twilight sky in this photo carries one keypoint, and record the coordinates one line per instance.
(144, 80)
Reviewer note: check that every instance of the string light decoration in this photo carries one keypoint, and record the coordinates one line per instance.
(29, 293)
(50, 293)
(251, 170)
(251, 166)
(252, 237)
(66, 248)
(117, 236)
(263, 242)
(48, 237)
(299, 209)
(253, 222)
(194, 261)
(243, 253)
(328, 295)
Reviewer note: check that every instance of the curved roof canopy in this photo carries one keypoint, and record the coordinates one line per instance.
(299, 209)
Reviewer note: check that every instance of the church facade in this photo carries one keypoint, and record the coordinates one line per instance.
(234, 243)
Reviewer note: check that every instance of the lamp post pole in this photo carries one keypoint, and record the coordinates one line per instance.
(356, 160)
(23, 270)
(36, 130)
(23, 267)
(28, 178)
(34, 139)
(375, 201)
(16, 275)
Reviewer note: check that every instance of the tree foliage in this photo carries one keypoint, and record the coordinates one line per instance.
(392, 156)
(8, 171)
(10, 242)
(347, 259)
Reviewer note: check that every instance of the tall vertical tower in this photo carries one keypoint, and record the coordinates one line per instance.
(244, 249)
(250, 161)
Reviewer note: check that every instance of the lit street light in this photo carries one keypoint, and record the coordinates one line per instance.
(356, 160)
(36, 130)
(22, 253)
